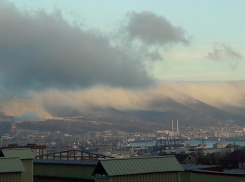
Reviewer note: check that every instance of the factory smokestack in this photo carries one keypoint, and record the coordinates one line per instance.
(177, 127)
(172, 126)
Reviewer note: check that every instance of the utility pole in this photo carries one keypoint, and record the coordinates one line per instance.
(1, 140)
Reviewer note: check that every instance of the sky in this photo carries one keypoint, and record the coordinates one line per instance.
(207, 23)
(122, 54)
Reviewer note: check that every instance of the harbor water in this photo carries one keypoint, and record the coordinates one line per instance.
(209, 143)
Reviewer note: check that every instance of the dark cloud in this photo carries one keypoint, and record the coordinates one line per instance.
(224, 52)
(153, 55)
(153, 29)
(39, 51)
(215, 55)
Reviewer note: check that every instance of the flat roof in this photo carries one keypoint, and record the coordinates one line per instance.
(235, 171)
(69, 162)
(189, 167)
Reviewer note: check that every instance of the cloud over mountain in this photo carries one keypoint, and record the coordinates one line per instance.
(228, 96)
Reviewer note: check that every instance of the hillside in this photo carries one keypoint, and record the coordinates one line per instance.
(24, 109)
(195, 113)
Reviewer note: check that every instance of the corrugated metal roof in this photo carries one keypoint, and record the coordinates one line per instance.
(22, 153)
(190, 167)
(235, 171)
(11, 165)
(126, 166)
(70, 162)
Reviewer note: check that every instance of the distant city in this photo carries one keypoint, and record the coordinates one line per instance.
(108, 133)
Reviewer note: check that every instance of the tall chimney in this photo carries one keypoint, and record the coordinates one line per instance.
(177, 127)
(172, 126)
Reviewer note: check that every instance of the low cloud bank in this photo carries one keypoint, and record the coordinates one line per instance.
(222, 95)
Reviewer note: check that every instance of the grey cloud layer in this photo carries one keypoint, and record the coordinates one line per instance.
(40, 51)
(44, 51)
(153, 29)
(224, 52)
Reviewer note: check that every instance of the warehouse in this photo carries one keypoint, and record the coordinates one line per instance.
(67, 170)
(26, 157)
(11, 169)
(154, 169)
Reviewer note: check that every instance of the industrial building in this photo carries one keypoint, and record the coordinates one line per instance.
(69, 165)
(219, 145)
(162, 169)
(154, 169)
(67, 170)
(25, 156)
(235, 160)
(11, 169)
(37, 150)
(17, 165)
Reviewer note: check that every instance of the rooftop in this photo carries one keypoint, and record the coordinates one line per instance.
(22, 153)
(139, 165)
(11, 165)
(69, 162)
